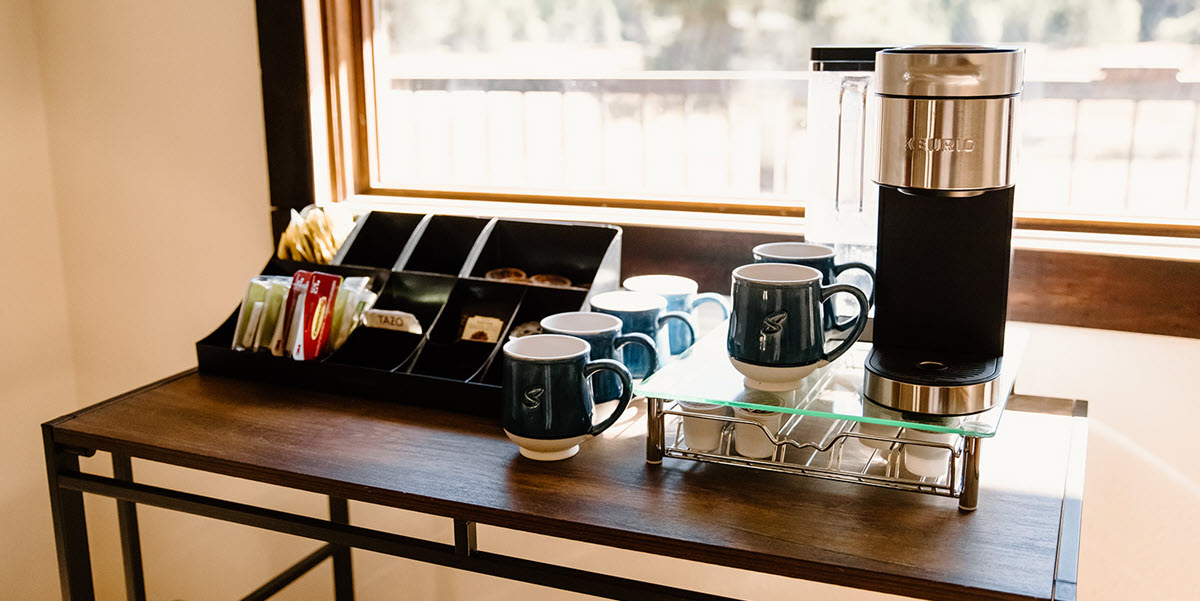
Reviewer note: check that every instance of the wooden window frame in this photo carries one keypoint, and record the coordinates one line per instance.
(318, 149)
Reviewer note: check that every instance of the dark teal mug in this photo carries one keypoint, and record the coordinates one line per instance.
(821, 258)
(547, 402)
(683, 296)
(644, 313)
(776, 336)
(603, 332)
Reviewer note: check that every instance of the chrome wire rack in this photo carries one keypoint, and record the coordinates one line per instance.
(833, 449)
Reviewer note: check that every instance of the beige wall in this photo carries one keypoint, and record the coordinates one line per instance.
(36, 379)
(133, 170)
(155, 125)
(135, 244)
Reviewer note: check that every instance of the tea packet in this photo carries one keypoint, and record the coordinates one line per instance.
(255, 307)
(312, 320)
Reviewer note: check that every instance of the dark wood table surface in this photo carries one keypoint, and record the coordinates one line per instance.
(463, 467)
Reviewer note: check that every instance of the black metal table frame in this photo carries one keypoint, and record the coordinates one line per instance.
(68, 483)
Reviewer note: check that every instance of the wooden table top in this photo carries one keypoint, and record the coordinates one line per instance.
(463, 467)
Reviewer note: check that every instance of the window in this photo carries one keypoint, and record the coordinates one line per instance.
(701, 104)
(1110, 126)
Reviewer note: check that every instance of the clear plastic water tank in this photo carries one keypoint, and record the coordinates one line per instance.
(842, 201)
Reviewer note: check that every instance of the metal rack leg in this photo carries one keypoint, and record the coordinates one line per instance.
(70, 526)
(656, 432)
(131, 544)
(465, 543)
(970, 492)
(343, 572)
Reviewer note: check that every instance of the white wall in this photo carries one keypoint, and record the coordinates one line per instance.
(133, 170)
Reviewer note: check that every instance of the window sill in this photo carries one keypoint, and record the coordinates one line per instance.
(1113, 245)
(792, 226)
(1117, 245)
(1103, 281)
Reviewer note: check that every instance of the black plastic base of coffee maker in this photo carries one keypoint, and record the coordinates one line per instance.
(932, 368)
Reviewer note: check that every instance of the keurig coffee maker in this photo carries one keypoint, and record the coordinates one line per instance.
(945, 226)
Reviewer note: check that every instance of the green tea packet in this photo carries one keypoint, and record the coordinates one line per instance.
(347, 311)
(272, 311)
(253, 311)
(366, 300)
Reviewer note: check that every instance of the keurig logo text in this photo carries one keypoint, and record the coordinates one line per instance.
(941, 144)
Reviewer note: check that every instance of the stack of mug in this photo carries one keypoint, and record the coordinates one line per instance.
(783, 313)
(781, 317)
(552, 380)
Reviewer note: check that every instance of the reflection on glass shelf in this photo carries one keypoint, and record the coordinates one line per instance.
(704, 375)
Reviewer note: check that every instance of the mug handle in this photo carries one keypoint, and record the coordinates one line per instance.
(860, 321)
(686, 318)
(639, 339)
(713, 297)
(837, 270)
(626, 390)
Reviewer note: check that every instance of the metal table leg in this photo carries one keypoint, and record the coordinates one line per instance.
(131, 545)
(343, 572)
(465, 542)
(70, 525)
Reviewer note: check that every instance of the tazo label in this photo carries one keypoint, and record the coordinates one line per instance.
(392, 320)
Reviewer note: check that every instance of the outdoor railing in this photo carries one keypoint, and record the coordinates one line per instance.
(1122, 145)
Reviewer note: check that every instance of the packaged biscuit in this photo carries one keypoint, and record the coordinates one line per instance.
(481, 328)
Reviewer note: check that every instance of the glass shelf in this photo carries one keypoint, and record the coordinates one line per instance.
(704, 374)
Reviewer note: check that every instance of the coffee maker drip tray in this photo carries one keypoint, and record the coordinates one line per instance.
(933, 383)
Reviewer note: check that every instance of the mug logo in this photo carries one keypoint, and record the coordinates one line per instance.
(773, 323)
(533, 397)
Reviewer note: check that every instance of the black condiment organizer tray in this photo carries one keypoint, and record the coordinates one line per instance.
(433, 266)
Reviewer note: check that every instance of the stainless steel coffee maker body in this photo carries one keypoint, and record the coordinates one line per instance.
(947, 115)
